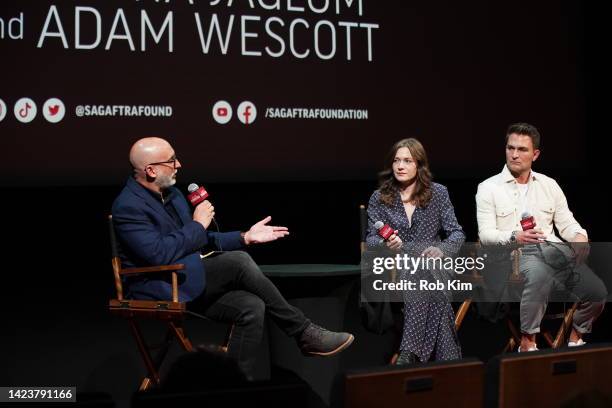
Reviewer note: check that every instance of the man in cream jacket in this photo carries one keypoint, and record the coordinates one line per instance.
(545, 262)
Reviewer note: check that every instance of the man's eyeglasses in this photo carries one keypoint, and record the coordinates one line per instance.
(172, 161)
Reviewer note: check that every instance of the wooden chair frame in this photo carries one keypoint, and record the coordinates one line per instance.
(172, 312)
(566, 317)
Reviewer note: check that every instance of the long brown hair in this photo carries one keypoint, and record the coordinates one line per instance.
(389, 186)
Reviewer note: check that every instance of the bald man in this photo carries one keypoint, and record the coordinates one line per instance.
(155, 226)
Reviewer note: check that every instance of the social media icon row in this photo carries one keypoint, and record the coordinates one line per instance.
(222, 112)
(25, 110)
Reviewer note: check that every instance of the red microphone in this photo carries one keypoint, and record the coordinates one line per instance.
(384, 230)
(527, 221)
(197, 194)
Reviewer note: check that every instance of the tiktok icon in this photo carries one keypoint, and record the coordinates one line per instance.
(247, 112)
(25, 110)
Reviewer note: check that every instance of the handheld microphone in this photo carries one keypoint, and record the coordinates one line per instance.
(384, 230)
(197, 194)
(527, 221)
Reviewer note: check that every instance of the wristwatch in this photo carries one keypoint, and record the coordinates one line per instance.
(513, 237)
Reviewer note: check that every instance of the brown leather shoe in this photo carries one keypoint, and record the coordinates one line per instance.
(317, 341)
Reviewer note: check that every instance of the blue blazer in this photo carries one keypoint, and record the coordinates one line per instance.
(148, 236)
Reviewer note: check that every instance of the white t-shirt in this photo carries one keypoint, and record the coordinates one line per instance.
(523, 189)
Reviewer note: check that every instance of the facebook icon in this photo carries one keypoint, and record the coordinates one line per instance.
(247, 112)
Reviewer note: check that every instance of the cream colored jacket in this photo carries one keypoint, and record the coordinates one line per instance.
(498, 208)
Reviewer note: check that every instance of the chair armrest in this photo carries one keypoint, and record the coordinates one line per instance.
(152, 269)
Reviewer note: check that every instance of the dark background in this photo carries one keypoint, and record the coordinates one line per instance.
(453, 75)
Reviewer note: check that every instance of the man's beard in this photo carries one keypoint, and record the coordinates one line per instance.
(163, 182)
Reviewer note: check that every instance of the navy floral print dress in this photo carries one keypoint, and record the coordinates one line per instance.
(429, 320)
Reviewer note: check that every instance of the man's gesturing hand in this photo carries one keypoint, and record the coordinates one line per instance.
(261, 232)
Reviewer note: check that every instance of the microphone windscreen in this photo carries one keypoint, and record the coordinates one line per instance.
(525, 215)
(192, 187)
(378, 225)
